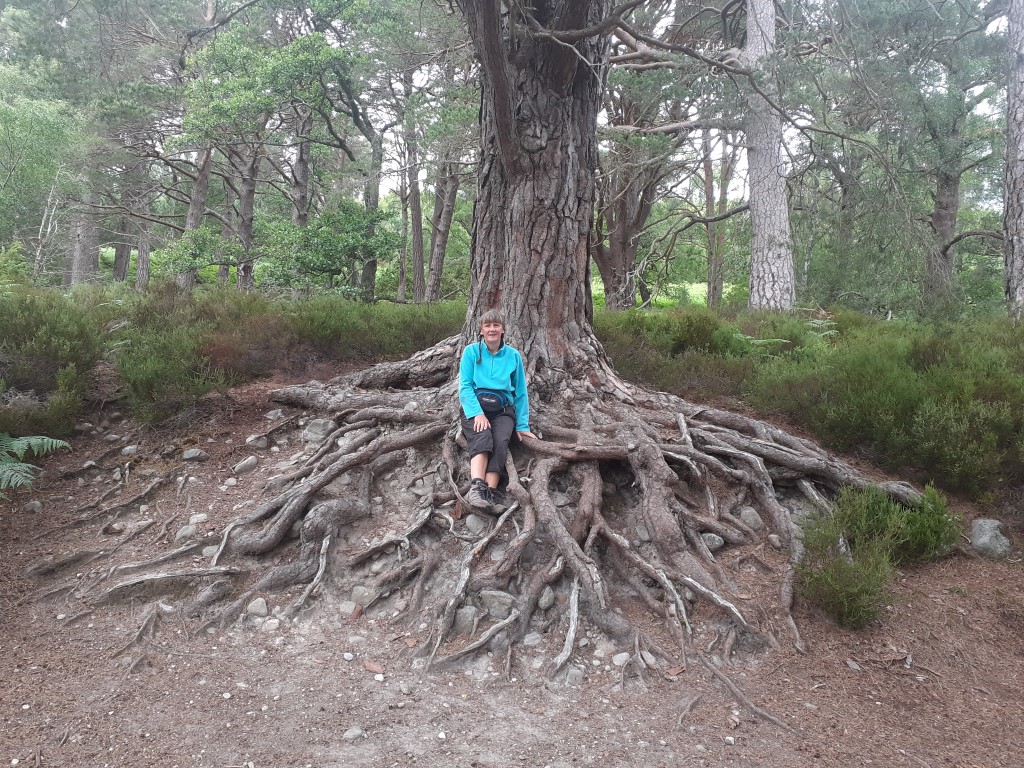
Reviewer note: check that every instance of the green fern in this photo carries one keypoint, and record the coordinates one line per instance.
(15, 472)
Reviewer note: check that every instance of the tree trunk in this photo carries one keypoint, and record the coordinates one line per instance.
(534, 209)
(412, 170)
(197, 208)
(772, 282)
(939, 266)
(371, 199)
(300, 167)
(446, 194)
(122, 252)
(142, 260)
(227, 232)
(1013, 217)
(403, 254)
(246, 214)
(84, 258)
(625, 207)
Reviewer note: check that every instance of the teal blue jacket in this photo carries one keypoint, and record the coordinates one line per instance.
(500, 371)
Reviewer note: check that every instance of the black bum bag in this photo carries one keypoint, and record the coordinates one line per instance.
(492, 403)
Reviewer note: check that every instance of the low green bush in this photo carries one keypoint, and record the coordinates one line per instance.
(851, 585)
(850, 555)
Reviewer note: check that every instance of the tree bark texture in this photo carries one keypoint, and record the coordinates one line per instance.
(1013, 217)
(772, 281)
(122, 251)
(142, 265)
(412, 171)
(446, 192)
(371, 199)
(534, 208)
(197, 208)
(300, 166)
(84, 257)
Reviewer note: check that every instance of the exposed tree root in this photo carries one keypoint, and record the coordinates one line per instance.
(618, 512)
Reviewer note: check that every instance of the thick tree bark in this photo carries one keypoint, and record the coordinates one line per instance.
(772, 282)
(446, 192)
(717, 206)
(534, 209)
(371, 199)
(300, 166)
(197, 208)
(142, 265)
(250, 171)
(122, 252)
(1013, 217)
(940, 258)
(227, 232)
(404, 253)
(83, 261)
(412, 183)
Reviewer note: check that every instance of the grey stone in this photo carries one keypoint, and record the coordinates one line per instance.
(168, 450)
(33, 507)
(198, 519)
(90, 465)
(274, 415)
(362, 595)
(111, 438)
(621, 659)
(476, 524)
(648, 659)
(356, 640)
(246, 465)
(347, 608)
(258, 442)
(750, 517)
(774, 541)
(574, 676)
(195, 454)
(534, 638)
(497, 604)
(713, 541)
(547, 598)
(412, 405)
(116, 474)
(465, 618)
(83, 426)
(257, 607)
(318, 429)
(186, 532)
(378, 565)
(130, 450)
(353, 733)
(231, 482)
(642, 534)
(210, 551)
(271, 625)
(987, 538)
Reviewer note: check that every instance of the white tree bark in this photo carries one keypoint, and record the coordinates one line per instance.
(772, 283)
(1013, 218)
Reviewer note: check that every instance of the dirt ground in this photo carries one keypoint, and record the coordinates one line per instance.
(937, 683)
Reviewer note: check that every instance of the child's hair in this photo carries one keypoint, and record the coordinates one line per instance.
(492, 316)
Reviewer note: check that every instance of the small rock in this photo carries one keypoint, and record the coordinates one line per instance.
(231, 482)
(546, 599)
(465, 618)
(353, 733)
(583, 643)
(730, 741)
(194, 454)
(412, 405)
(347, 608)
(476, 524)
(130, 450)
(111, 438)
(379, 678)
(259, 442)
(89, 465)
(574, 676)
(116, 474)
(356, 640)
(348, 656)
(198, 519)
(621, 659)
(245, 465)
(378, 565)
(642, 534)
(750, 517)
(33, 507)
(318, 429)
(271, 625)
(988, 540)
(774, 541)
(497, 604)
(257, 607)
(405, 688)
(186, 532)
(649, 660)
(362, 595)
(532, 639)
(210, 551)
(713, 540)
(274, 415)
(83, 426)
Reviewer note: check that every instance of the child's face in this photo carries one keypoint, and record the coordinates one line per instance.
(491, 331)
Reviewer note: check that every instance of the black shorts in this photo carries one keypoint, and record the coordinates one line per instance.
(493, 441)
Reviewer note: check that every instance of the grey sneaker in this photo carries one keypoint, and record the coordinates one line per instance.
(478, 496)
(497, 500)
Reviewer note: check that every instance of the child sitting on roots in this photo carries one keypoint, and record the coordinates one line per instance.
(492, 391)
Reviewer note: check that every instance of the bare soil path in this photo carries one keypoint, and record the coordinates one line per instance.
(937, 683)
